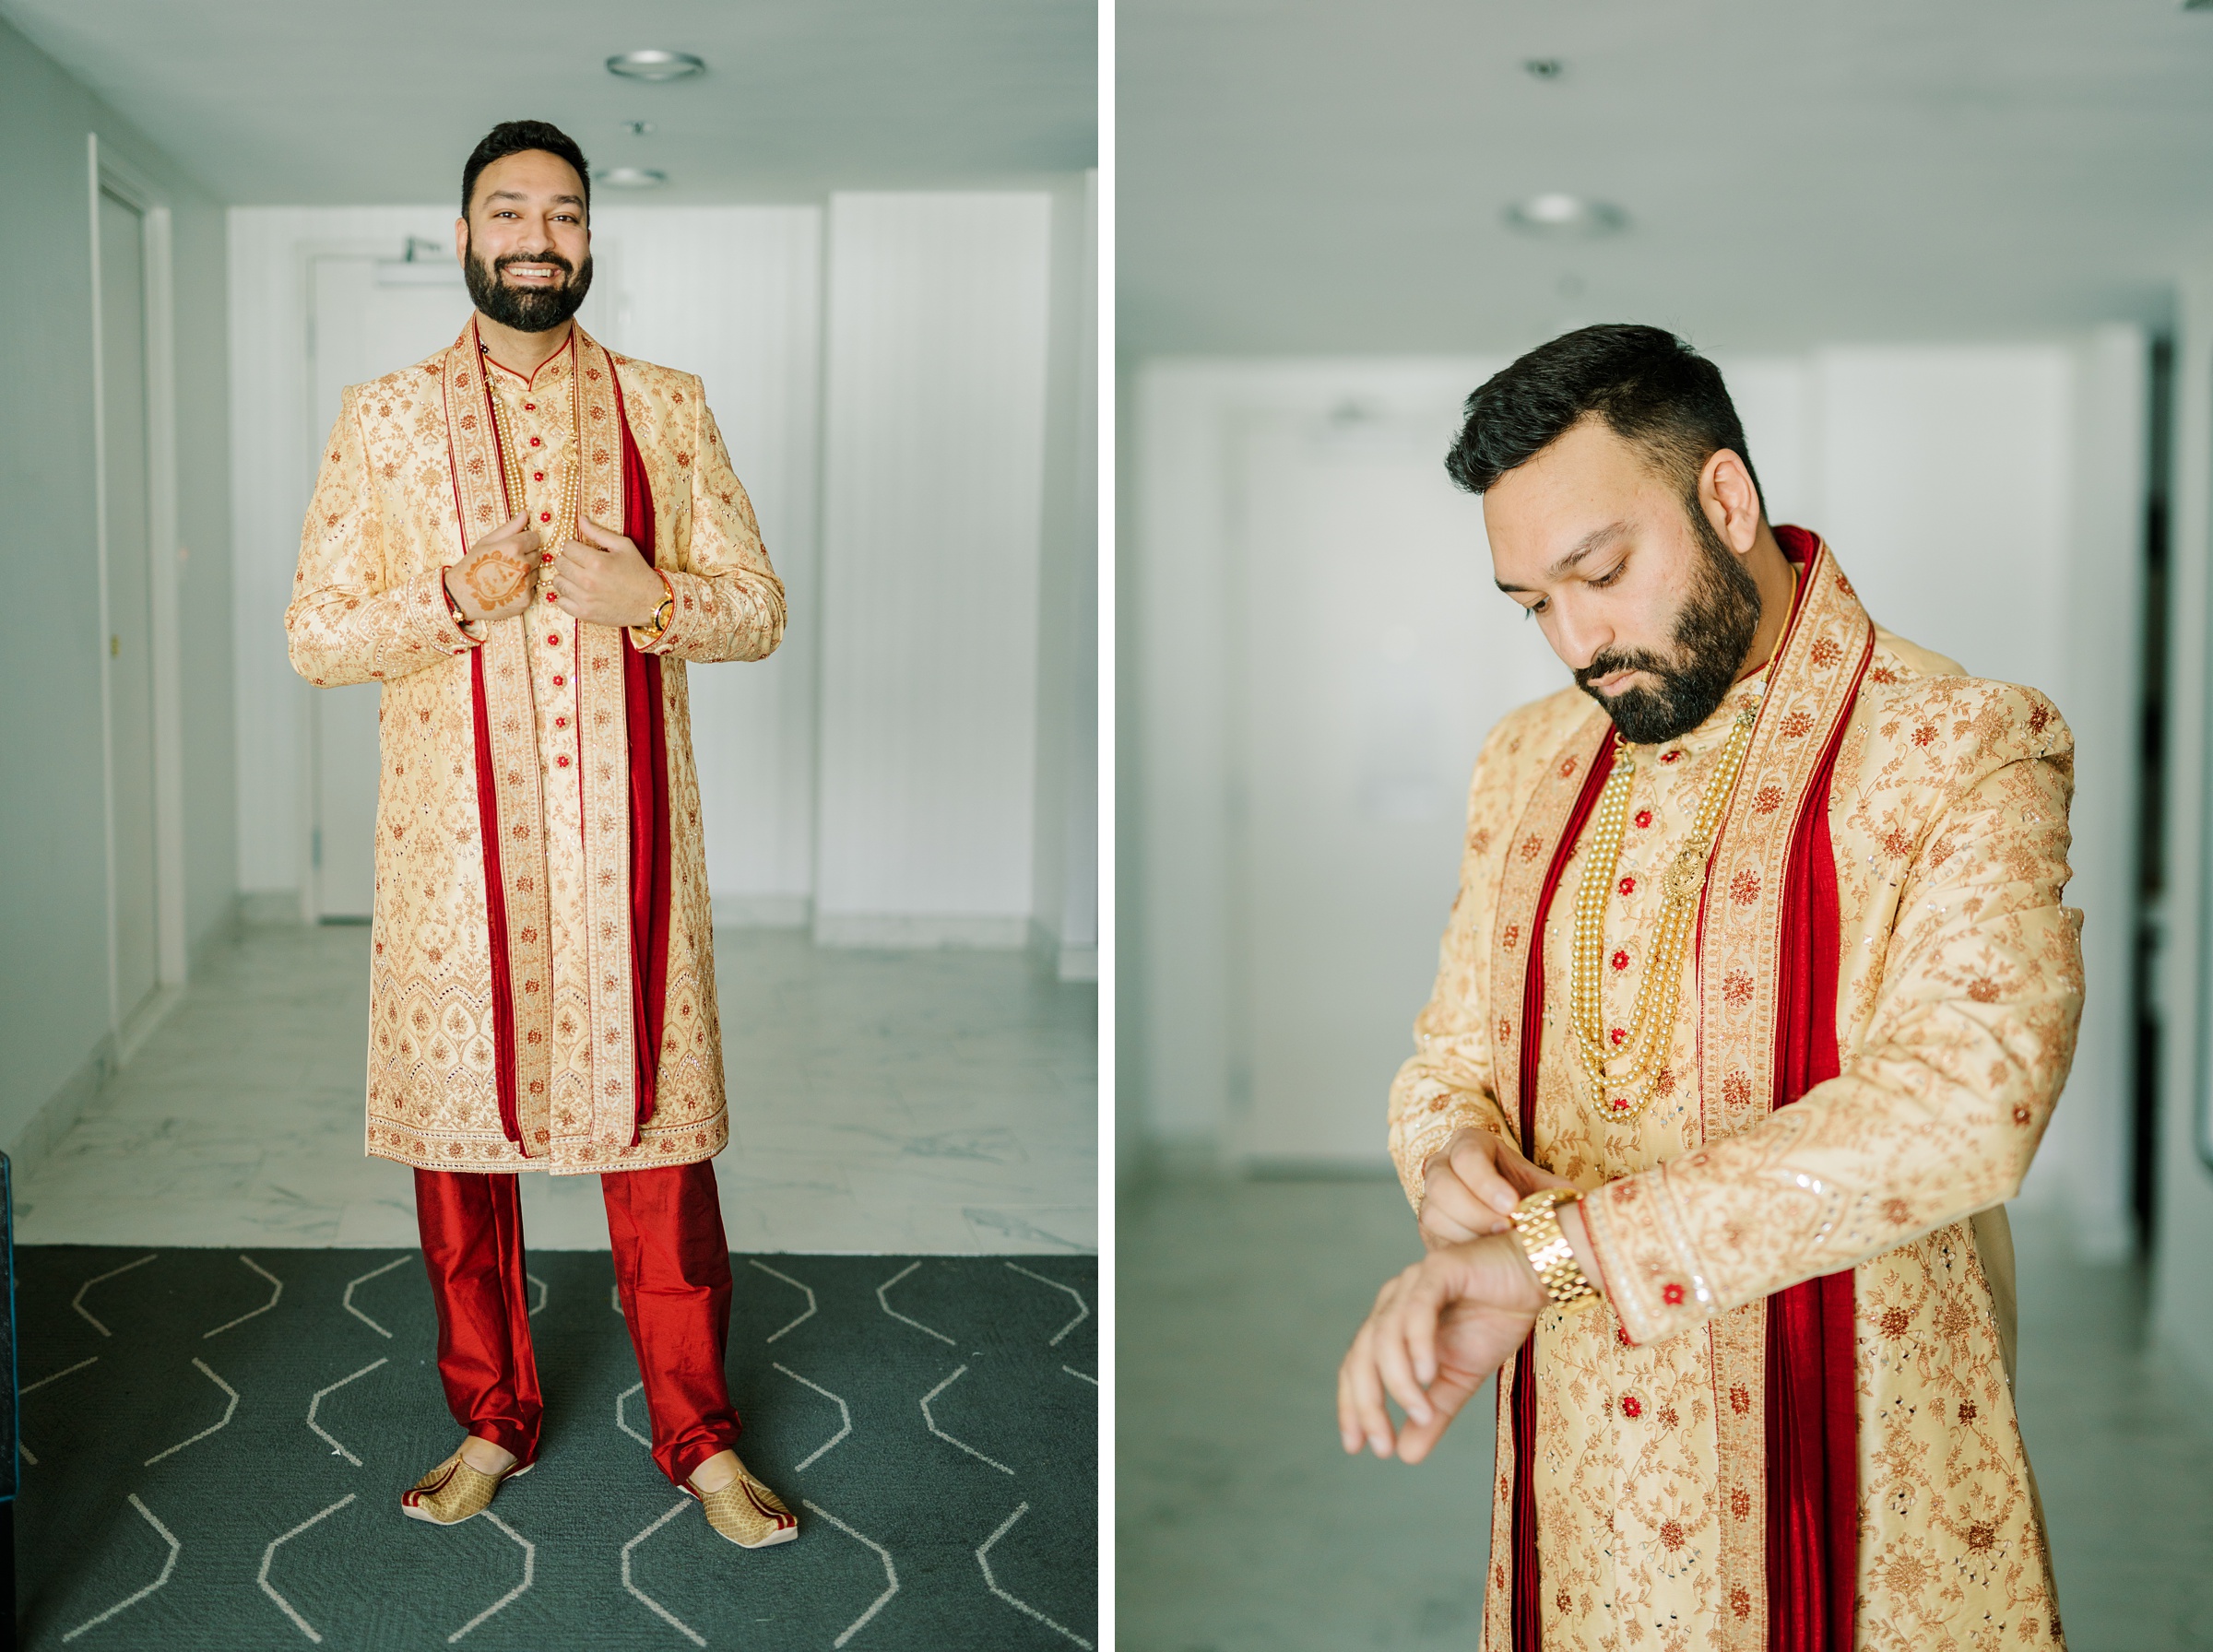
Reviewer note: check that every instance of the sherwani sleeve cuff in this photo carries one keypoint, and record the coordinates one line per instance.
(1648, 1273)
(1426, 1113)
(433, 626)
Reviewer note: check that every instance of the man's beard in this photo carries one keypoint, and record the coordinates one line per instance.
(531, 309)
(1713, 632)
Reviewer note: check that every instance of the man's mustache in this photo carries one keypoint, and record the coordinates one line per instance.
(1610, 661)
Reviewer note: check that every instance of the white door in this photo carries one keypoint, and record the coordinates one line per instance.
(370, 316)
(124, 476)
(1374, 655)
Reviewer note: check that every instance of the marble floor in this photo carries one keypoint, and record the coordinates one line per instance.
(888, 1102)
(1242, 1526)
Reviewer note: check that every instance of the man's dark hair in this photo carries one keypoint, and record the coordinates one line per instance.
(512, 137)
(1649, 386)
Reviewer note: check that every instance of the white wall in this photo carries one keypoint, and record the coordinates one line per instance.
(933, 458)
(1987, 503)
(734, 294)
(1065, 877)
(57, 1022)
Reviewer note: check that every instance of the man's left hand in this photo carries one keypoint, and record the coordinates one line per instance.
(604, 581)
(1436, 1333)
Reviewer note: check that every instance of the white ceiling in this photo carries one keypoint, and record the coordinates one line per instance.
(312, 102)
(1316, 175)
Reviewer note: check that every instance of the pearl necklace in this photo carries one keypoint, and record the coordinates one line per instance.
(1621, 1092)
(564, 524)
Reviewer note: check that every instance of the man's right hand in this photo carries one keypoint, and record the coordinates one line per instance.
(1471, 1186)
(496, 578)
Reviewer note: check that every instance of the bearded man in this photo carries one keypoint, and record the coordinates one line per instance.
(1751, 1011)
(525, 538)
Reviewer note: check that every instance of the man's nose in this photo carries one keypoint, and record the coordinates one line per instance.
(1578, 639)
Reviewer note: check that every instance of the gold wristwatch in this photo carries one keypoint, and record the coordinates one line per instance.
(1537, 1224)
(662, 615)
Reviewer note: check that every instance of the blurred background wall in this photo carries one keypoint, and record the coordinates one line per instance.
(1956, 267)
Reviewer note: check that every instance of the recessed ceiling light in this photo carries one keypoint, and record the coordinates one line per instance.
(655, 64)
(636, 128)
(1544, 68)
(1557, 214)
(630, 177)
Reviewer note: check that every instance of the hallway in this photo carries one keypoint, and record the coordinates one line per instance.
(934, 1102)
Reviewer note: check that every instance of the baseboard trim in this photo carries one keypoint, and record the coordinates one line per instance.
(913, 931)
(59, 1114)
(264, 907)
(761, 912)
(1061, 962)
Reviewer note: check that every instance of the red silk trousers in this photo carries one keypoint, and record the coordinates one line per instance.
(672, 1269)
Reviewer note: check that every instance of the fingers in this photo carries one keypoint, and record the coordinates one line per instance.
(1475, 1162)
(605, 538)
(1527, 1177)
(1447, 1396)
(1405, 1342)
(1364, 1395)
(1453, 1215)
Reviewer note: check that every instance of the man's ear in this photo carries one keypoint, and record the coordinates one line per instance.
(461, 241)
(1730, 500)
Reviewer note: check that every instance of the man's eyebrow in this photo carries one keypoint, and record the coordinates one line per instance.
(1596, 540)
(516, 194)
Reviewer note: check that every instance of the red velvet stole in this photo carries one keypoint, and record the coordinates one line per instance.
(648, 746)
(1812, 1408)
(495, 905)
(649, 853)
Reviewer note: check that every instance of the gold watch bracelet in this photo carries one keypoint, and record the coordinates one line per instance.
(1537, 1225)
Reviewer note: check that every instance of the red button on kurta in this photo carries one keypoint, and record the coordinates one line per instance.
(1621, 961)
(1631, 1405)
(562, 760)
(1629, 886)
(535, 442)
(529, 407)
(1644, 816)
(560, 681)
(561, 721)
(545, 515)
(553, 638)
(537, 476)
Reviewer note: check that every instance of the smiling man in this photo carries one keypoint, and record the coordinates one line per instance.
(525, 538)
(1751, 1011)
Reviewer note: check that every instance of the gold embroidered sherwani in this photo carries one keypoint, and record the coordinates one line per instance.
(1957, 996)
(410, 477)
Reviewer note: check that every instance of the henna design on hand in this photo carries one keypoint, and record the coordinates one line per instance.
(494, 581)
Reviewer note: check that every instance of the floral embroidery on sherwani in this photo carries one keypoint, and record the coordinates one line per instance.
(1959, 993)
(367, 606)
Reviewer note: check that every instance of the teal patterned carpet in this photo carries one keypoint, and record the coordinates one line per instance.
(215, 1444)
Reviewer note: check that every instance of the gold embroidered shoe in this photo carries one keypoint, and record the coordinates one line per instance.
(747, 1512)
(452, 1492)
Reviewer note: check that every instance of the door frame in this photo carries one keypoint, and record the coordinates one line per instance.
(109, 173)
